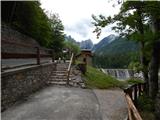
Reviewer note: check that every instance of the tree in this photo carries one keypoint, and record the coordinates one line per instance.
(57, 33)
(132, 21)
(152, 11)
(30, 19)
(72, 47)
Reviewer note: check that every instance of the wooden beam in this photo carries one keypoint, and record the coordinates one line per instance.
(133, 109)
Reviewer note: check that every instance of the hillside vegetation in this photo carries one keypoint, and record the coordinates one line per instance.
(97, 79)
(117, 54)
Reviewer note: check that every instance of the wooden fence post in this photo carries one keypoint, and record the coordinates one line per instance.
(135, 94)
(53, 57)
(38, 56)
(139, 88)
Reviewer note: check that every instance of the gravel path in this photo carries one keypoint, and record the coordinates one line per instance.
(112, 104)
(62, 103)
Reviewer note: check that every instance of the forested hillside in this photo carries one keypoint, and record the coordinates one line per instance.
(116, 54)
(30, 19)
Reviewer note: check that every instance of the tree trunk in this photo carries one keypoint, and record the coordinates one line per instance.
(154, 68)
(144, 63)
(155, 61)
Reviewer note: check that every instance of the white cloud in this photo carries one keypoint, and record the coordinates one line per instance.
(76, 16)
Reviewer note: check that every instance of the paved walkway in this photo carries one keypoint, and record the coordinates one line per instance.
(60, 103)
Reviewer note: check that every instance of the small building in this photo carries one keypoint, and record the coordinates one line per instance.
(85, 56)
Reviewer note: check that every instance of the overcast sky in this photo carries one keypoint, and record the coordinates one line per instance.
(76, 16)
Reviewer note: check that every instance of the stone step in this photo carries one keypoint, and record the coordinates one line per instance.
(57, 83)
(59, 74)
(59, 80)
(61, 69)
(58, 71)
(56, 77)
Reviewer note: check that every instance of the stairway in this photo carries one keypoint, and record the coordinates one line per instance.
(59, 77)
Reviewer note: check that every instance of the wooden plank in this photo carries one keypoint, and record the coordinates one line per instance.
(129, 112)
(17, 55)
(133, 108)
(16, 43)
(21, 55)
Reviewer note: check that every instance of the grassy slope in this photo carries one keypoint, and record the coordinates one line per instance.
(97, 79)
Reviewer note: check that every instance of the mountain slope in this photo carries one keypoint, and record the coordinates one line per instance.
(118, 53)
(86, 44)
(69, 38)
(105, 41)
(119, 45)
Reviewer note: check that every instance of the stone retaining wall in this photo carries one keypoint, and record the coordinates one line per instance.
(21, 82)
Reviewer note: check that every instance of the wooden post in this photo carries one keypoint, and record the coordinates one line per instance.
(69, 69)
(53, 57)
(144, 88)
(139, 88)
(135, 94)
(130, 93)
(38, 56)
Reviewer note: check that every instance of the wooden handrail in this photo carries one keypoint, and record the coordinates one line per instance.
(135, 91)
(132, 93)
(133, 113)
(69, 68)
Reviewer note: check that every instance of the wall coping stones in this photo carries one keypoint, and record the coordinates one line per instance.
(22, 69)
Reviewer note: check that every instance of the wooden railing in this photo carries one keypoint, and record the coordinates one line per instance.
(133, 113)
(37, 55)
(131, 94)
(69, 68)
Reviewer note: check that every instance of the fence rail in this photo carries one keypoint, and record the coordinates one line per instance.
(131, 94)
(135, 91)
(37, 55)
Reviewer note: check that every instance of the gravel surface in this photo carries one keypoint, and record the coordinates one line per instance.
(112, 104)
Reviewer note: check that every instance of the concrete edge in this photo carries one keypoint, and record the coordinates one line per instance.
(22, 69)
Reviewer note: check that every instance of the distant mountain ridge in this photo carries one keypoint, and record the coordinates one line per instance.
(109, 45)
(69, 38)
(86, 44)
(116, 52)
(114, 45)
(105, 41)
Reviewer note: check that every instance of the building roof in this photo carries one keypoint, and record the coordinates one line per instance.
(86, 51)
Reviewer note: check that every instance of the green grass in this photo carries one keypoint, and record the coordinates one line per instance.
(134, 81)
(97, 79)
